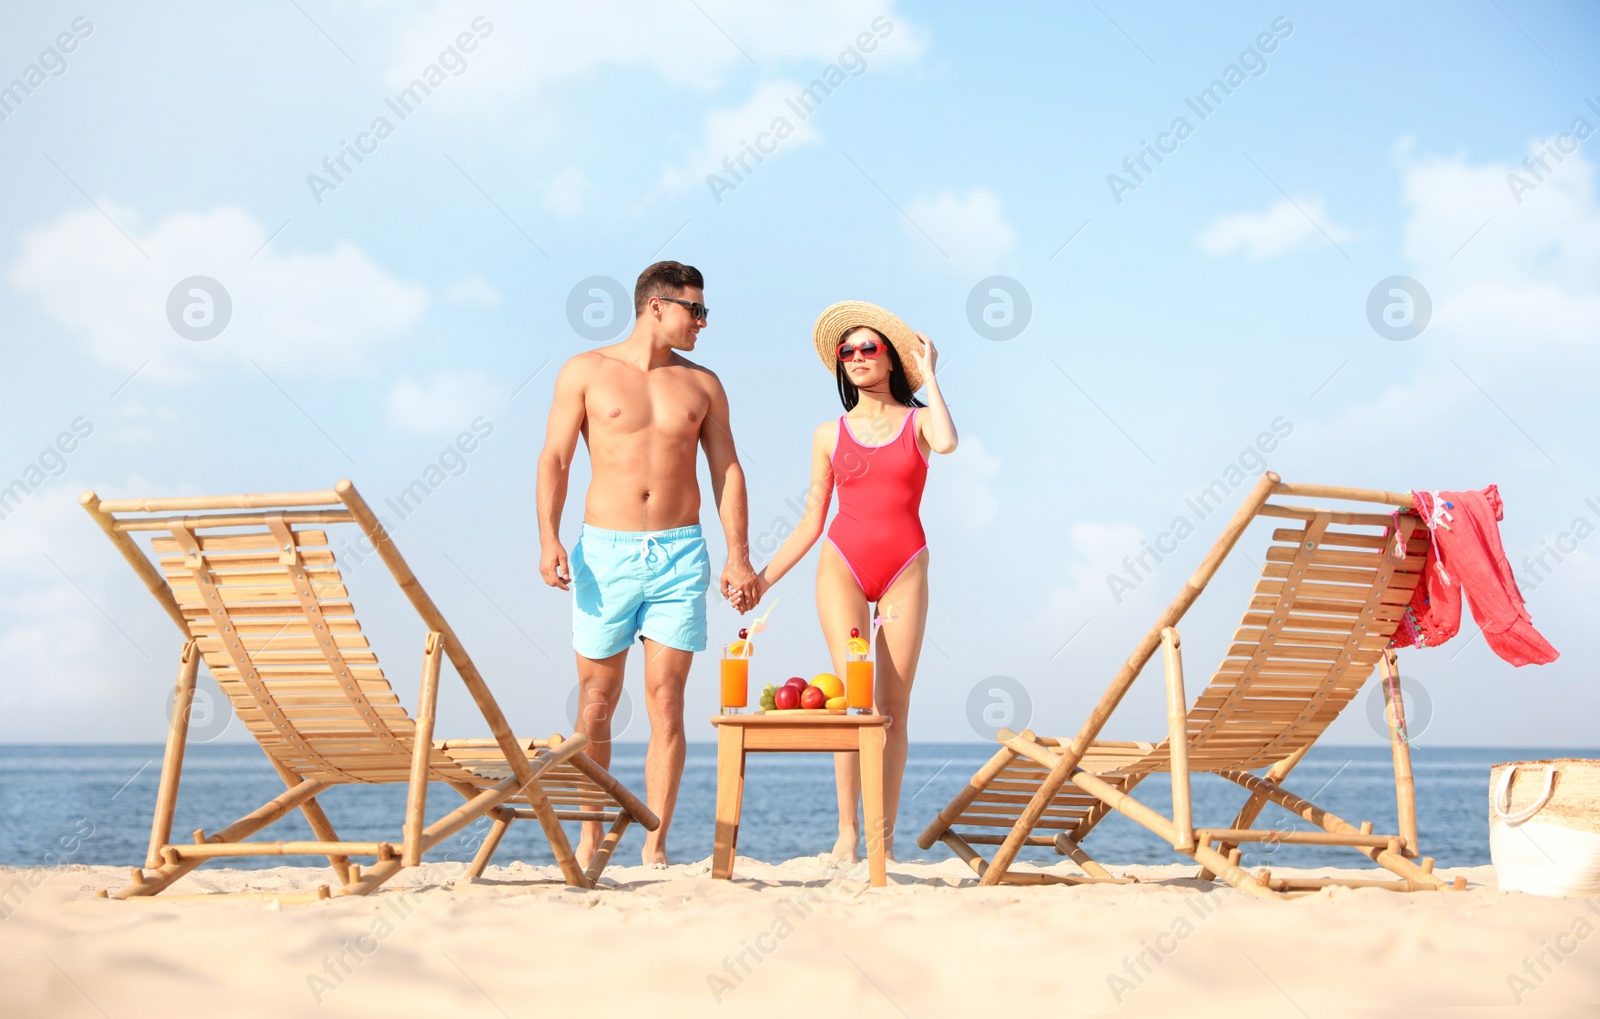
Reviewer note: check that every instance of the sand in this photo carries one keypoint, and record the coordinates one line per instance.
(796, 939)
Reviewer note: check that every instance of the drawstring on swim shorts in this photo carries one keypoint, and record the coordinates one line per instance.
(648, 546)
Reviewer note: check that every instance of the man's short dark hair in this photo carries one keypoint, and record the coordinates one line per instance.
(664, 279)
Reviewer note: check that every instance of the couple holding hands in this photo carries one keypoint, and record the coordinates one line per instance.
(640, 566)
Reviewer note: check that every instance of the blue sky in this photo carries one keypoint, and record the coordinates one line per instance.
(429, 289)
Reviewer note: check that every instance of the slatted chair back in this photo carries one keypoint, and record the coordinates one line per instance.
(1329, 599)
(254, 585)
(275, 625)
(1333, 589)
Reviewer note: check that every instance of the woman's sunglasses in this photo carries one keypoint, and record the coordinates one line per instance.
(869, 350)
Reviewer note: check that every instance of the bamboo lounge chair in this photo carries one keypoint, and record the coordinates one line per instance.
(1330, 596)
(253, 584)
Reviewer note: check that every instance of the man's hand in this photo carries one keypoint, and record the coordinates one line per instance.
(739, 585)
(553, 565)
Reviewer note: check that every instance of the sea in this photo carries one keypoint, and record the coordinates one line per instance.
(77, 804)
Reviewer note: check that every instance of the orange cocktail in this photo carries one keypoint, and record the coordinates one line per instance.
(735, 680)
(857, 673)
(858, 685)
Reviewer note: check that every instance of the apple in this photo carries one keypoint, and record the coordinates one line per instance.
(813, 697)
(797, 683)
(787, 698)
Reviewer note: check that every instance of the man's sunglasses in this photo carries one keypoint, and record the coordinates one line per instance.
(698, 310)
(869, 350)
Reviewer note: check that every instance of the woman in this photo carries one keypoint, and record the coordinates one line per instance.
(876, 456)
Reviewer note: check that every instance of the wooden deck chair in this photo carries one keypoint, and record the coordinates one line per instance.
(1330, 596)
(254, 585)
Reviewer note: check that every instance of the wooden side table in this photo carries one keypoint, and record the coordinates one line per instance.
(738, 735)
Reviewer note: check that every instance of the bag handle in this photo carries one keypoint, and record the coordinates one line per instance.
(1501, 803)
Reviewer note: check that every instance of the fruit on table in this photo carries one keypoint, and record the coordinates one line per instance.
(786, 698)
(834, 703)
(812, 697)
(796, 682)
(769, 698)
(829, 684)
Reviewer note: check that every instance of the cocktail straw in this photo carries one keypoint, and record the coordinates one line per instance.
(756, 626)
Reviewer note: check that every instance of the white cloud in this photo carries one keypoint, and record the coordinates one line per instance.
(698, 45)
(293, 313)
(1517, 307)
(1341, 444)
(442, 405)
(962, 487)
(567, 193)
(473, 290)
(1282, 228)
(970, 228)
(1549, 236)
(97, 651)
(1093, 552)
(1507, 279)
(139, 421)
(736, 141)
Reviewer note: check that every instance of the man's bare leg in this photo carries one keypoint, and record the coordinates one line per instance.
(599, 688)
(666, 670)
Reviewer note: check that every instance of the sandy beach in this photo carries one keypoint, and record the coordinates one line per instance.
(796, 939)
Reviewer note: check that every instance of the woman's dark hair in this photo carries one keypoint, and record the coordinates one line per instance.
(899, 388)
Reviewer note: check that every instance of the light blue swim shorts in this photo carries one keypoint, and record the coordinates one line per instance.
(632, 582)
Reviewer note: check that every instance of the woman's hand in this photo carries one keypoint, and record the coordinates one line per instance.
(739, 585)
(937, 427)
(926, 357)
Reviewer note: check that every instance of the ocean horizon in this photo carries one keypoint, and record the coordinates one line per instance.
(79, 803)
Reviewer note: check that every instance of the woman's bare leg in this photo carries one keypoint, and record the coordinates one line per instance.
(840, 607)
(899, 649)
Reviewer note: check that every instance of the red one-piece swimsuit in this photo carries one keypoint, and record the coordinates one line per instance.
(878, 528)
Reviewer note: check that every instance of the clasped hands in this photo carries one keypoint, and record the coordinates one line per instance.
(741, 586)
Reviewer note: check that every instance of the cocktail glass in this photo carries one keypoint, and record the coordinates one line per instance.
(735, 680)
(858, 683)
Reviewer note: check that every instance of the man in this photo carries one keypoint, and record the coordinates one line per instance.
(640, 566)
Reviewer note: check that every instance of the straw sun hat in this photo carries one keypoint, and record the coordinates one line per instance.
(838, 319)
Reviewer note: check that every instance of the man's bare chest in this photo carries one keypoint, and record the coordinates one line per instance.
(667, 402)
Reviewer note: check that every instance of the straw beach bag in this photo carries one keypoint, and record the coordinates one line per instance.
(1544, 826)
